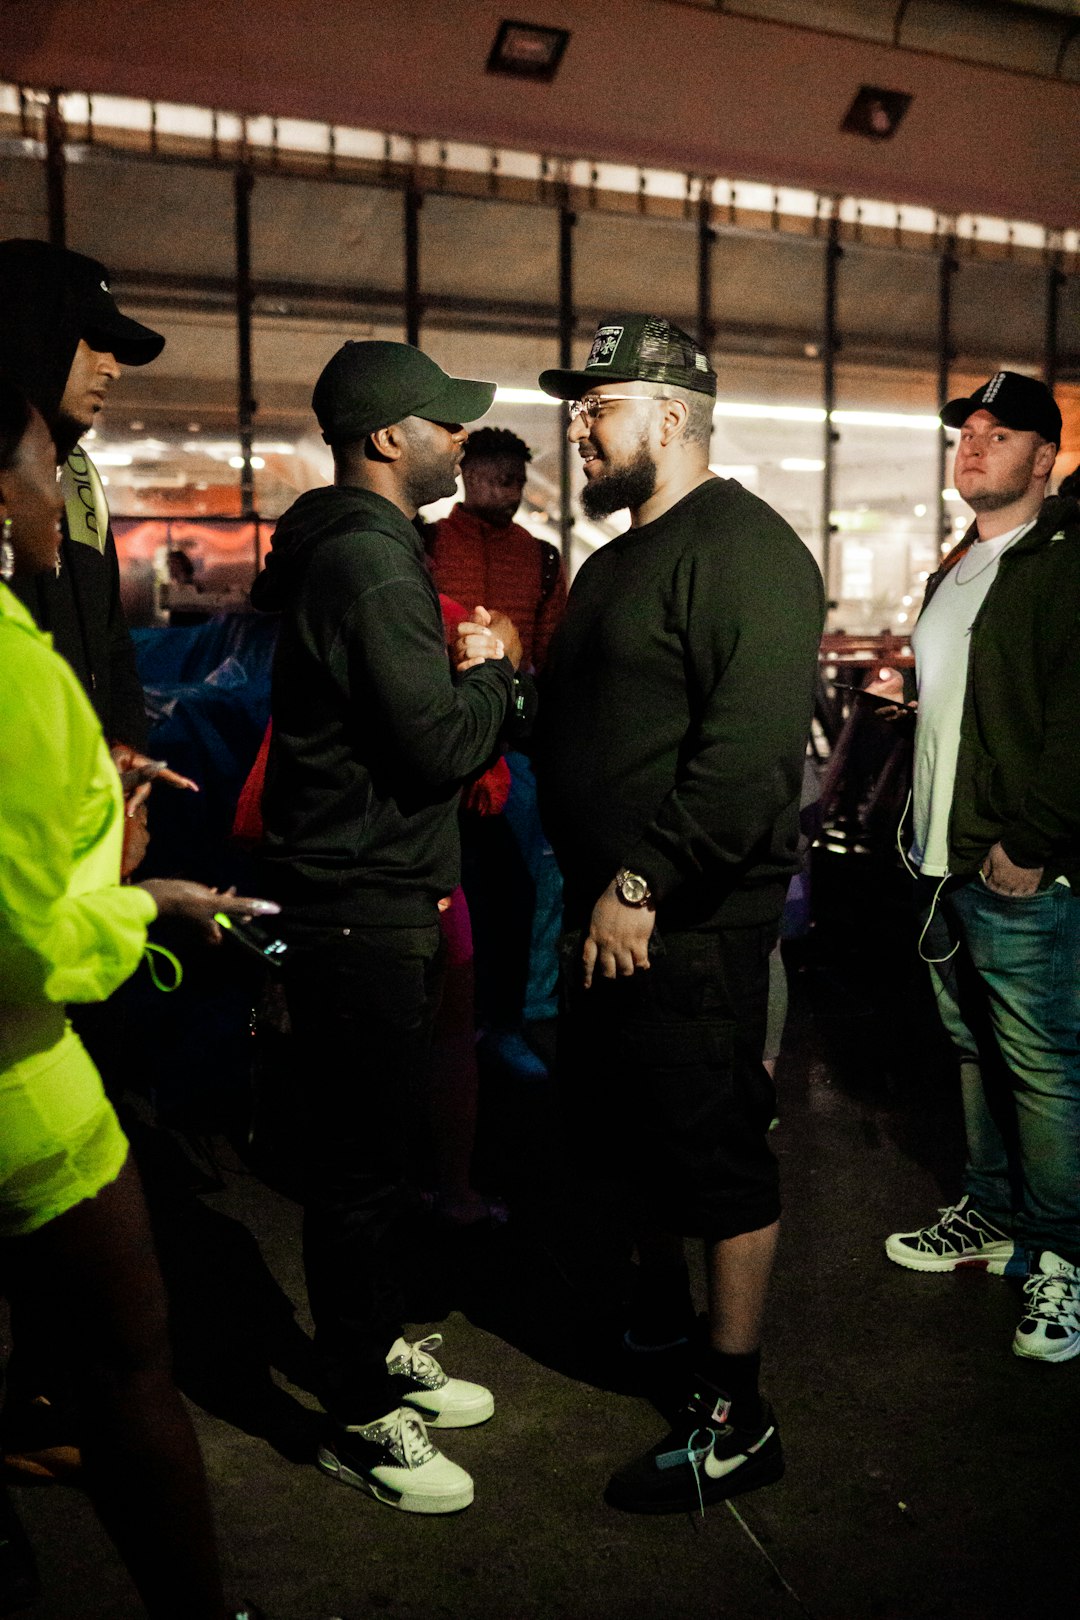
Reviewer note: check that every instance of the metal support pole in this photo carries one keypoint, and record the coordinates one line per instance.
(947, 268)
(55, 170)
(413, 311)
(243, 185)
(706, 236)
(1055, 280)
(567, 221)
(829, 347)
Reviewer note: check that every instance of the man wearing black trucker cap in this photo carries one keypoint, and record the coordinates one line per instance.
(996, 842)
(372, 739)
(669, 750)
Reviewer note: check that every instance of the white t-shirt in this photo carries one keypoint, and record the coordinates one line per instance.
(942, 643)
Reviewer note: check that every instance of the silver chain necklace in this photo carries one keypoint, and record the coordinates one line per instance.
(966, 579)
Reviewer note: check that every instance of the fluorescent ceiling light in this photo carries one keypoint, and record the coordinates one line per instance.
(222, 449)
(523, 396)
(808, 464)
(887, 419)
(768, 413)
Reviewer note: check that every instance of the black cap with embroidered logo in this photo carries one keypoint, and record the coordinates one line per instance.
(636, 348)
(1017, 401)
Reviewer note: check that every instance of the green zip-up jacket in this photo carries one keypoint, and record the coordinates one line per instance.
(1018, 767)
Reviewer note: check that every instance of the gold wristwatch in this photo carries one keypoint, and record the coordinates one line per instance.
(631, 888)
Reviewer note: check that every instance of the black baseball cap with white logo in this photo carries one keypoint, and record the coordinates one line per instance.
(636, 348)
(1017, 401)
(78, 286)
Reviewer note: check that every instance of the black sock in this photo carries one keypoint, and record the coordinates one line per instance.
(737, 1378)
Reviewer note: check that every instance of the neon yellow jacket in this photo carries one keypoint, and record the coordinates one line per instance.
(68, 930)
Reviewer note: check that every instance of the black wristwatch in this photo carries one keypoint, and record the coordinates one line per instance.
(631, 888)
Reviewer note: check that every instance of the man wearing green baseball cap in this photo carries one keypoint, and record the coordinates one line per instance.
(373, 735)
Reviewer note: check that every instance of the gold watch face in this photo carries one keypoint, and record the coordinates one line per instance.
(633, 888)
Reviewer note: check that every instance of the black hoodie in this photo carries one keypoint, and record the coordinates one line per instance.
(373, 735)
(80, 607)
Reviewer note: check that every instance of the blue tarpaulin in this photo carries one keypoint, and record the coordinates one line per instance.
(207, 692)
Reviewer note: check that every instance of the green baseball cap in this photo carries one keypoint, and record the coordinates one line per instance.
(636, 348)
(370, 385)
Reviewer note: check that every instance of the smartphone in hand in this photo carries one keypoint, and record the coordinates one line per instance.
(253, 937)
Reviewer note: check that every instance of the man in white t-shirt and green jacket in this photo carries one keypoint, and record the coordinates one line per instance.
(996, 842)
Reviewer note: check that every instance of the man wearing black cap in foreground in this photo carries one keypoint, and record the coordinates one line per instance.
(64, 341)
(669, 751)
(996, 841)
(372, 739)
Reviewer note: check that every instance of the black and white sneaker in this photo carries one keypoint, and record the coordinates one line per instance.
(419, 1382)
(1049, 1329)
(963, 1237)
(704, 1459)
(395, 1462)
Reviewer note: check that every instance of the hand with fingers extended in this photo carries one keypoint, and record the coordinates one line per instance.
(138, 772)
(196, 903)
(617, 943)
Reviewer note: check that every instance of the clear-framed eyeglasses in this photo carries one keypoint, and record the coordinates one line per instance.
(590, 406)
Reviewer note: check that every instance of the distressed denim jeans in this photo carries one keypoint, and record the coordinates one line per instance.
(1009, 999)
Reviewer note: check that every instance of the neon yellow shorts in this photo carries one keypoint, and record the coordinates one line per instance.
(60, 1139)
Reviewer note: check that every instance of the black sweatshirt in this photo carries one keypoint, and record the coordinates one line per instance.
(675, 707)
(81, 610)
(372, 734)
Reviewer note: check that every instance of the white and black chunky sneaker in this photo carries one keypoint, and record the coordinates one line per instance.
(419, 1382)
(961, 1238)
(1049, 1329)
(394, 1460)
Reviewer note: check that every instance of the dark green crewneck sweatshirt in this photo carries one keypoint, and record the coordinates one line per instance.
(675, 708)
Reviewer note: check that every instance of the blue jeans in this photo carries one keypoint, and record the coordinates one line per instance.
(1010, 1001)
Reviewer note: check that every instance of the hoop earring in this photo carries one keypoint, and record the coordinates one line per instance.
(7, 551)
